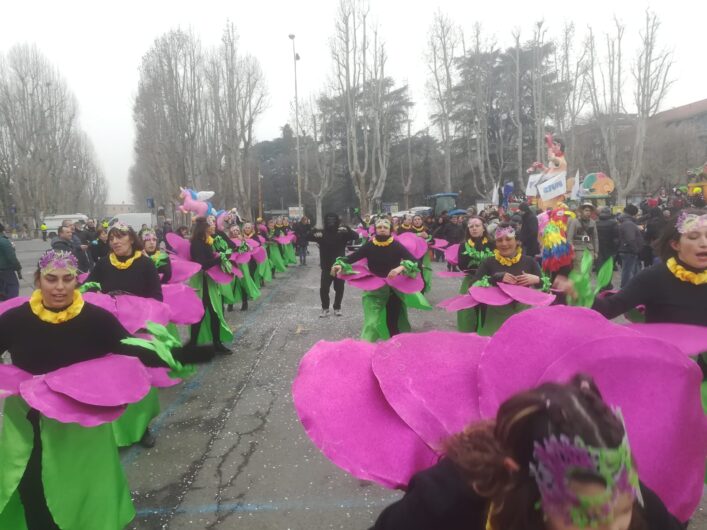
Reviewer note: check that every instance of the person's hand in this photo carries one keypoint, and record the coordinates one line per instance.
(336, 269)
(394, 272)
(528, 279)
(509, 278)
(564, 285)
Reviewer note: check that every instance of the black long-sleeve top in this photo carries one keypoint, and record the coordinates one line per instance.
(440, 498)
(39, 347)
(381, 260)
(491, 267)
(465, 262)
(165, 269)
(140, 279)
(667, 299)
(203, 254)
(99, 249)
(332, 244)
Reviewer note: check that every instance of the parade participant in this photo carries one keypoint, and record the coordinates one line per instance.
(420, 230)
(183, 232)
(472, 253)
(674, 290)
(273, 247)
(10, 268)
(405, 224)
(127, 269)
(557, 251)
(287, 249)
(242, 288)
(57, 473)
(99, 247)
(212, 329)
(302, 231)
(332, 241)
(384, 307)
(159, 258)
(556, 457)
(260, 271)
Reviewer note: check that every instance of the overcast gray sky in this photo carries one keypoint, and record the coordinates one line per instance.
(98, 45)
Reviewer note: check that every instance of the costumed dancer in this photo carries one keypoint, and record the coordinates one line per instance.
(259, 265)
(127, 270)
(210, 250)
(158, 256)
(557, 251)
(420, 230)
(524, 457)
(287, 248)
(505, 284)
(332, 241)
(243, 287)
(59, 461)
(477, 248)
(273, 247)
(385, 304)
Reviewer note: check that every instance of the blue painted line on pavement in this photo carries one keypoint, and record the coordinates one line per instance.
(192, 384)
(250, 507)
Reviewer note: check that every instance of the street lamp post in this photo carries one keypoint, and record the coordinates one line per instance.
(295, 58)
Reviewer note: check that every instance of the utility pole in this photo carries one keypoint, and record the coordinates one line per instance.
(260, 195)
(295, 58)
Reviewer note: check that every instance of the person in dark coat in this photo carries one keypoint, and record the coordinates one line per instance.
(630, 244)
(529, 231)
(302, 230)
(490, 478)
(10, 268)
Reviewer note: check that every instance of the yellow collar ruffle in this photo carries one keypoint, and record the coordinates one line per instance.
(209, 240)
(122, 265)
(382, 243)
(471, 243)
(681, 273)
(55, 317)
(507, 262)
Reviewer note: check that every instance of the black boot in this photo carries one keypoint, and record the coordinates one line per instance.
(229, 308)
(244, 305)
(220, 348)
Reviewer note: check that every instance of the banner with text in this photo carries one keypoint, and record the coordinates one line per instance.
(553, 187)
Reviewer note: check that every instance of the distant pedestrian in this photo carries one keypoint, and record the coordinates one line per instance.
(10, 268)
(43, 228)
(302, 230)
(630, 244)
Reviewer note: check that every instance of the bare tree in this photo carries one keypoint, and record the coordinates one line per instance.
(538, 74)
(442, 51)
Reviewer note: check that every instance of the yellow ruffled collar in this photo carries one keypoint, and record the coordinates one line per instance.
(55, 317)
(471, 243)
(122, 265)
(382, 243)
(507, 262)
(681, 273)
(418, 228)
(209, 240)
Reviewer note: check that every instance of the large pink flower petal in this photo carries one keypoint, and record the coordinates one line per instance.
(64, 409)
(104, 301)
(240, 258)
(691, 340)
(135, 311)
(346, 415)
(12, 303)
(450, 274)
(362, 232)
(10, 379)
(430, 380)
(182, 269)
(217, 275)
(185, 306)
(159, 377)
(260, 255)
(367, 283)
(105, 382)
(451, 253)
(526, 295)
(527, 343)
(490, 296)
(252, 243)
(461, 302)
(658, 390)
(415, 244)
(439, 244)
(181, 246)
(406, 284)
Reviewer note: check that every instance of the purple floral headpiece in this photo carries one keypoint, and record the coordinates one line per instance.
(211, 220)
(558, 460)
(54, 260)
(148, 234)
(689, 222)
(505, 231)
(120, 226)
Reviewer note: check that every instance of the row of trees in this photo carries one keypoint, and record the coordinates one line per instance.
(194, 114)
(47, 163)
(491, 108)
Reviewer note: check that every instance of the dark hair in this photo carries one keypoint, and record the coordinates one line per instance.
(481, 450)
(62, 228)
(670, 234)
(183, 229)
(199, 229)
(561, 142)
(135, 241)
(630, 209)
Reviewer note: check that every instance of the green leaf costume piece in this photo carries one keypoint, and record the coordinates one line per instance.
(130, 427)
(374, 312)
(84, 483)
(225, 333)
(276, 261)
(466, 318)
(582, 280)
(90, 286)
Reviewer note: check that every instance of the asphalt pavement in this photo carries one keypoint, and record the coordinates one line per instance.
(230, 450)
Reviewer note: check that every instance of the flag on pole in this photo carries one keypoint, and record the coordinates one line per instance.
(575, 188)
(494, 195)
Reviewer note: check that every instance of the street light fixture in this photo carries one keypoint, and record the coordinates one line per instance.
(295, 58)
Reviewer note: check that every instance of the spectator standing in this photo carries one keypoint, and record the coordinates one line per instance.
(630, 243)
(10, 268)
(583, 235)
(302, 230)
(608, 231)
(529, 231)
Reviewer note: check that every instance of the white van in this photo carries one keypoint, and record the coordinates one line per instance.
(135, 220)
(53, 222)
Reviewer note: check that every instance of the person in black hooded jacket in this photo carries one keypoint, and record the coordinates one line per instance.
(332, 242)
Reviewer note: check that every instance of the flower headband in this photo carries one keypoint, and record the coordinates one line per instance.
(560, 460)
(689, 222)
(120, 226)
(53, 260)
(381, 222)
(504, 231)
(149, 235)
(211, 220)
